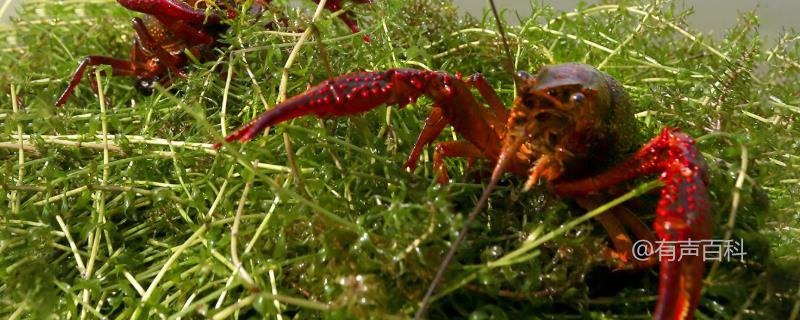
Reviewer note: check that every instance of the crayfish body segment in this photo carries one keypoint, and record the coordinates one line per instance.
(570, 124)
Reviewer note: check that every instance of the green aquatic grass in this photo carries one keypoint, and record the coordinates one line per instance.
(116, 206)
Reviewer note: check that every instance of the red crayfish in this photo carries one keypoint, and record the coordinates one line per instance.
(565, 122)
(169, 30)
(566, 119)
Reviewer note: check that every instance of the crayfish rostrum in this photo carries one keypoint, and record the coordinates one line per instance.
(169, 33)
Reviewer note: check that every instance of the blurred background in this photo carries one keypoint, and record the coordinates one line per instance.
(712, 16)
(7, 8)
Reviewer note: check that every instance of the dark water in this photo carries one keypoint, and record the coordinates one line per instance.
(714, 16)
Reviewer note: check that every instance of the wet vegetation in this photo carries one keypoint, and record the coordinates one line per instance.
(318, 220)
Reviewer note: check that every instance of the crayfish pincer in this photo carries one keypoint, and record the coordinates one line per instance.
(170, 29)
(570, 124)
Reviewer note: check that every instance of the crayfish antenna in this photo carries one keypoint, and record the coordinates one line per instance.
(509, 63)
(502, 163)
(500, 168)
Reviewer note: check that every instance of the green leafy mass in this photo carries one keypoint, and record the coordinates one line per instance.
(141, 222)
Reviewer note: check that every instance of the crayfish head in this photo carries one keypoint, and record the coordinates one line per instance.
(560, 112)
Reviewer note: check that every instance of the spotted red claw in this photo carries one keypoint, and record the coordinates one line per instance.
(351, 94)
(683, 213)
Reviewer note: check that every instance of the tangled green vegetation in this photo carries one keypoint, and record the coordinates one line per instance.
(142, 224)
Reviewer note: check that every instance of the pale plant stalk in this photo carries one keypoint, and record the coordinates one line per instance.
(229, 310)
(736, 195)
(73, 140)
(287, 142)
(170, 261)
(179, 172)
(224, 110)
(259, 230)
(16, 195)
(100, 201)
(234, 240)
(252, 76)
(220, 194)
(72, 245)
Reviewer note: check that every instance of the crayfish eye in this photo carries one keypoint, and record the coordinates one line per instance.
(577, 98)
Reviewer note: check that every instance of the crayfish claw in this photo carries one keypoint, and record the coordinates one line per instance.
(683, 216)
